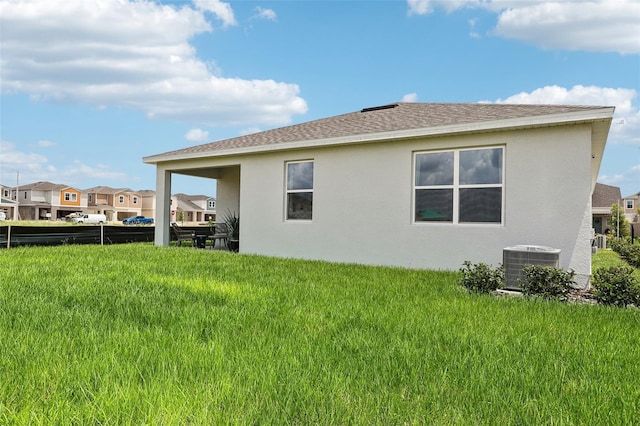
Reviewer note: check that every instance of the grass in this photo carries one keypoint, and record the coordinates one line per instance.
(608, 258)
(136, 334)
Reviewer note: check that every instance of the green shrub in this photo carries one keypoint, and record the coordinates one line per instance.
(547, 282)
(629, 252)
(481, 278)
(616, 286)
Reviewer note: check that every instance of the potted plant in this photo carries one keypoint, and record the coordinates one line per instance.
(233, 228)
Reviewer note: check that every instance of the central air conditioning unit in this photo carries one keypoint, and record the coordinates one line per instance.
(515, 258)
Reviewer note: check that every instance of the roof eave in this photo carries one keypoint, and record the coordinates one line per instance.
(584, 116)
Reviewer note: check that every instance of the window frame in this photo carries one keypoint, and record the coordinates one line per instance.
(628, 204)
(70, 196)
(456, 187)
(288, 191)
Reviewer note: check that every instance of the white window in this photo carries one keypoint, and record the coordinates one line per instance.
(135, 200)
(90, 198)
(628, 204)
(70, 196)
(459, 186)
(299, 190)
(121, 199)
(211, 204)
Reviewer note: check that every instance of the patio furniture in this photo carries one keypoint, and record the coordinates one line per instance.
(183, 234)
(220, 232)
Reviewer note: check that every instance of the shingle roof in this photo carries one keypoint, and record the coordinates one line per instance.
(107, 190)
(388, 118)
(43, 186)
(605, 195)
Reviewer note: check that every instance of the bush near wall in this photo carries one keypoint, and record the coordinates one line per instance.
(481, 278)
(547, 282)
(629, 252)
(615, 285)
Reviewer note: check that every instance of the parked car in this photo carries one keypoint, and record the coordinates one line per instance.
(138, 220)
(90, 218)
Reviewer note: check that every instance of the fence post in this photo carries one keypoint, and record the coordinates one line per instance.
(9, 237)
(102, 234)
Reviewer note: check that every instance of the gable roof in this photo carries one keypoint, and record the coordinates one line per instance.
(394, 121)
(107, 190)
(44, 186)
(184, 202)
(605, 196)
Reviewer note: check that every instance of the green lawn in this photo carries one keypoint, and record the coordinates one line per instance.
(135, 334)
(607, 258)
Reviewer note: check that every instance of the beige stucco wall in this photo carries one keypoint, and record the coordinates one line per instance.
(228, 192)
(362, 209)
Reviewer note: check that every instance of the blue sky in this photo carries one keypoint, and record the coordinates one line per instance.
(91, 87)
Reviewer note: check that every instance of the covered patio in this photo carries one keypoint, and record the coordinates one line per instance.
(227, 181)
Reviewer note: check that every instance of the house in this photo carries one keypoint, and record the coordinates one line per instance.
(631, 207)
(7, 204)
(192, 208)
(115, 203)
(407, 184)
(148, 202)
(603, 197)
(47, 201)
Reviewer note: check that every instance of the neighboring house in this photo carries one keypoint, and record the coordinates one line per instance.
(148, 203)
(7, 204)
(408, 184)
(603, 197)
(631, 207)
(47, 201)
(115, 203)
(206, 207)
(194, 208)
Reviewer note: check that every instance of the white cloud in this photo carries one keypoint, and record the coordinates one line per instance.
(268, 14)
(197, 135)
(410, 97)
(598, 25)
(221, 9)
(45, 144)
(119, 53)
(602, 26)
(629, 178)
(424, 7)
(33, 167)
(626, 124)
(12, 162)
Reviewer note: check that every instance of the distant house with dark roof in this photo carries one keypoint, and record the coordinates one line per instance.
(604, 196)
(407, 184)
(47, 201)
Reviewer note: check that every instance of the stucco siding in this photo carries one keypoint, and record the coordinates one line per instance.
(362, 203)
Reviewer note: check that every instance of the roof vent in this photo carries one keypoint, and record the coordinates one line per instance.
(377, 108)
